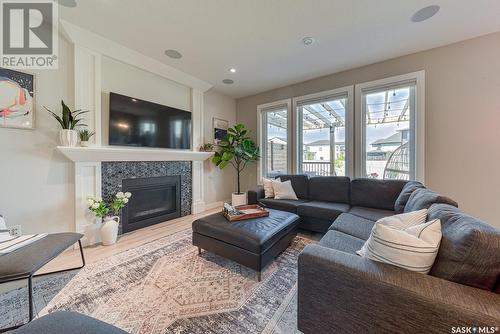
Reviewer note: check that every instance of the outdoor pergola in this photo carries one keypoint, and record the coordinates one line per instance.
(381, 108)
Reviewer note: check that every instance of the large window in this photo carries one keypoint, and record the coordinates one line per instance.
(322, 122)
(274, 138)
(388, 129)
(374, 129)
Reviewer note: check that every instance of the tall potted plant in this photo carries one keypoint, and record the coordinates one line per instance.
(238, 150)
(68, 120)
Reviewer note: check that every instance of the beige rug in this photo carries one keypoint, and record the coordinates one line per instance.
(166, 287)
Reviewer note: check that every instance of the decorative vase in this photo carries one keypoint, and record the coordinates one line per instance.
(68, 137)
(109, 230)
(238, 199)
(84, 143)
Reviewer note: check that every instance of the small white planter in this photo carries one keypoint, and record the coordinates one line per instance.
(84, 143)
(68, 137)
(109, 230)
(238, 199)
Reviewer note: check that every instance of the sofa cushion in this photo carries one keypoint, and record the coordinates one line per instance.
(405, 194)
(378, 194)
(470, 249)
(423, 198)
(289, 205)
(341, 242)
(300, 184)
(356, 226)
(323, 210)
(370, 213)
(329, 188)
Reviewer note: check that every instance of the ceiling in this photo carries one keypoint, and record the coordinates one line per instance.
(262, 38)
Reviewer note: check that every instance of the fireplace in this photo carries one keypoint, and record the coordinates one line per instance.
(154, 200)
(161, 190)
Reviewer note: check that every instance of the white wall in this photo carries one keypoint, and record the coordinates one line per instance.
(125, 79)
(36, 181)
(219, 184)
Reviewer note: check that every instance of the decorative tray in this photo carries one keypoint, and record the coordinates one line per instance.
(247, 212)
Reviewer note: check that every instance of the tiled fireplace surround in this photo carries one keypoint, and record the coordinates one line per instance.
(114, 172)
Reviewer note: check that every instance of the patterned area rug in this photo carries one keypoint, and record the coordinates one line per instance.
(166, 287)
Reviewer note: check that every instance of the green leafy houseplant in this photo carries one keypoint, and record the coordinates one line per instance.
(85, 135)
(68, 119)
(237, 149)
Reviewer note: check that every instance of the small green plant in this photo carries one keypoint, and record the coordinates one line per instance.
(68, 119)
(207, 147)
(237, 149)
(101, 209)
(85, 135)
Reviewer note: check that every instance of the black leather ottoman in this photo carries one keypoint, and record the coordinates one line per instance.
(253, 242)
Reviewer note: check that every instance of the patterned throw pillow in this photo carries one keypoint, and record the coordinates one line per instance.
(268, 188)
(405, 241)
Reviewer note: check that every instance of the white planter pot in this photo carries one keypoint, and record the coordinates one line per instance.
(238, 199)
(68, 137)
(84, 143)
(109, 230)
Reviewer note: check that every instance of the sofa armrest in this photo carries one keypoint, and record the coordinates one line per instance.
(345, 293)
(254, 196)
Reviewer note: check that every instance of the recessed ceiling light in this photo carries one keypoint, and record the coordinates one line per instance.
(67, 3)
(425, 13)
(228, 81)
(174, 54)
(307, 41)
(232, 70)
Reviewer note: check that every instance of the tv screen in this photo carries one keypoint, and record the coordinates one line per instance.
(134, 122)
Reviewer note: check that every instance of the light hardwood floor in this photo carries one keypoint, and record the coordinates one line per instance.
(71, 258)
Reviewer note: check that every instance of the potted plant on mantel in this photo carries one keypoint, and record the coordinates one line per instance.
(238, 150)
(68, 120)
(109, 228)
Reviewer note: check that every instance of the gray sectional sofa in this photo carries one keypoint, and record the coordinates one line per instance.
(341, 292)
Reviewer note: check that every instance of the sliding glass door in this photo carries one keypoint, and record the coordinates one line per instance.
(322, 140)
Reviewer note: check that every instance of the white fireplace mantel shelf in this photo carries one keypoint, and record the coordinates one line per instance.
(112, 153)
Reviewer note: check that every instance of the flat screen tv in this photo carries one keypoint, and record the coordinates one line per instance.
(134, 122)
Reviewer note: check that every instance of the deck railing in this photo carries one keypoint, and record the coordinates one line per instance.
(318, 168)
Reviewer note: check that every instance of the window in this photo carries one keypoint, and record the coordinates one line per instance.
(323, 122)
(274, 137)
(374, 129)
(389, 128)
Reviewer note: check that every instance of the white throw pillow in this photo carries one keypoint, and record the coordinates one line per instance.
(405, 242)
(268, 188)
(283, 190)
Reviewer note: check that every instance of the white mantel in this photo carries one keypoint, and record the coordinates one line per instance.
(117, 153)
(89, 48)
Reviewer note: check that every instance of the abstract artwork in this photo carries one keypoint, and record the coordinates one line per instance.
(17, 92)
(220, 129)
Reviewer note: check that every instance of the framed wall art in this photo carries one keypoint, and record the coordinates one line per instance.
(17, 99)
(220, 129)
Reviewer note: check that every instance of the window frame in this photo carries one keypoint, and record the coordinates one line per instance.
(347, 91)
(418, 124)
(261, 132)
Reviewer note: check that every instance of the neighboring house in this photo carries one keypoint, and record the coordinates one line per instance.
(384, 147)
(320, 150)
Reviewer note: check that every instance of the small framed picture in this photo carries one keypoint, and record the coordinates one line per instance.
(17, 99)
(220, 129)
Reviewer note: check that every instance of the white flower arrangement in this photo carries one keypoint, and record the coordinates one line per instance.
(101, 209)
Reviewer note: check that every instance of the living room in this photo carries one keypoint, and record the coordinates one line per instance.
(248, 166)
